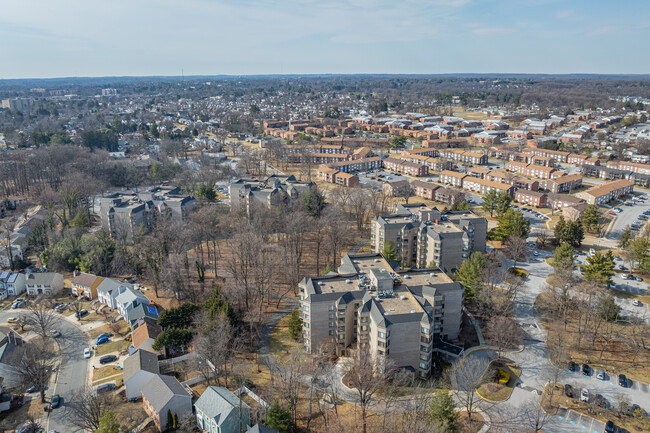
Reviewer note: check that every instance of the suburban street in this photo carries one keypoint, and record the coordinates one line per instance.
(72, 370)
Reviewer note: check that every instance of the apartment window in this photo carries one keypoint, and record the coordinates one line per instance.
(381, 335)
(423, 365)
(306, 307)
(331, 307)
(424, 357)
(306, 333)
(331, 332)
(306, 341)
(331, 324)
(364, 328)
(332, 315)
(306, 316)
(425, 330)
(306, 325)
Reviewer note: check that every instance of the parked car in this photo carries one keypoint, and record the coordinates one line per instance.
(609, 427)
(638, 278)
(622, 268)
(105, 334)
(636, 302)
(56, 401)
(631, 277)
(102, 340)
(600, 375)
(56, 334)
(568, 391)
(87, 352)
(600, 401)
(105, 387)
(622, 380)
(571, 366)
(31, 389)
(586, 370)
(107, 358)
(81, 314)
(60, 308)
(584, 395)
(12, 320)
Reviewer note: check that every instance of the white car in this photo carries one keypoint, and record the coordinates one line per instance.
(636, 302)
(87, 353)
(584, 395)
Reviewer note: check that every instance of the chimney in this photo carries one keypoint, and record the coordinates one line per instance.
(75, 273)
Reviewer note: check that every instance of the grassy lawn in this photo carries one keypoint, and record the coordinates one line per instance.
(281, 344)
(124, 329)
(104, 372)
(494, 391)
(113, 346)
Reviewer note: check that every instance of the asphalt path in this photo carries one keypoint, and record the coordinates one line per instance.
(72, 370)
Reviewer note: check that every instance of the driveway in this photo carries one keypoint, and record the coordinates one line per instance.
(72, 371)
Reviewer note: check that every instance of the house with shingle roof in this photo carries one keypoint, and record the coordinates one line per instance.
(261, 428)
(43, 283)
(162, 394)
(220, 411)
(138, 369)
(85, 285)
(144, 335)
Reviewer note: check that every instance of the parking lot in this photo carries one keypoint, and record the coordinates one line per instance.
(628, 215)
(584, 422)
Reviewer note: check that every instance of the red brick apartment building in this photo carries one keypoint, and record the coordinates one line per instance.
(561, 201)
(563, 184)
(483, 186)
(607, 192)
(330, 175)
(634, 167)
(531, 198)
(465, 156)
(406, 167)
(430, 152)
(434, 164)
(364, 164)
(539, 171)
(557, 155)
(452, 178)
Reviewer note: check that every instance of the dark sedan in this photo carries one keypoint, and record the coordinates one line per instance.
(586, 370)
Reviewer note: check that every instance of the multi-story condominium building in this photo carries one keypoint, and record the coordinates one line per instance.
(423, 235)
(602, 194)
(247, 195)
(399, 316)
(125, 214)
(452, 178)
(406, 167)
(429, 152)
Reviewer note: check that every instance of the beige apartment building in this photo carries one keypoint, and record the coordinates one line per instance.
(401, 316)
(425, 236)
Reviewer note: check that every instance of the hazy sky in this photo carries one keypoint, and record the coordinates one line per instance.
(57, 38)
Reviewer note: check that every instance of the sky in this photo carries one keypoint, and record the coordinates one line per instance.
(64, 38)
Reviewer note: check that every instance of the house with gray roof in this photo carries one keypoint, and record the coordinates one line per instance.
(220, 411)
(43, 283)
(12, 283)
(139, 368)
(261, 428)
(128, 299)
(140, 314)
(109, 289)
(162, 395)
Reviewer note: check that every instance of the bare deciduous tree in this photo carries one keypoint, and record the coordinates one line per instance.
(366, 375)
(503, 333)
(85, 409)
(36, 366)
(516, 249)
(466, 377)
(42, 319)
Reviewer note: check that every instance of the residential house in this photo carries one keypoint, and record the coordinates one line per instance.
(138, 369)
(85, 285)
(163, 395)
(12, 283)
(220, 411)
(141, 313)
(43, 283)
(145, 335)
(261, 428)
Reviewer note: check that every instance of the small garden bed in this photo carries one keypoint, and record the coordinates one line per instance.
(514, 272)
(498, 380)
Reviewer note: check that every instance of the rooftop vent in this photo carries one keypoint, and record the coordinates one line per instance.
(348, 281)
(376, 260)
(412, 311)
(402, 297)
(433, 274)
(320, 283)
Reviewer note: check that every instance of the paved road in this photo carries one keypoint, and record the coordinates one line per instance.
(72, 373)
